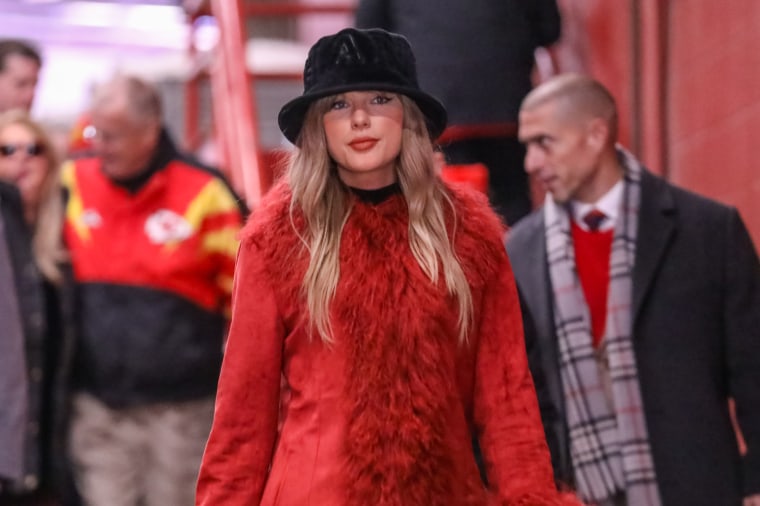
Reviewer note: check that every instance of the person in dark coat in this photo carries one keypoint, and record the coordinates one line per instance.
(35, 311)
(477, 57)
(645, 304)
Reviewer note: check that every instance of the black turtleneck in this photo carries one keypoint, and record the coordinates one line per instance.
(378, 195)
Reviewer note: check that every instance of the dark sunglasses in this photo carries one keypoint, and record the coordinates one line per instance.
(31, 149)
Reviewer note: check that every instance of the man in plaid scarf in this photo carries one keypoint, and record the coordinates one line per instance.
(645, 304)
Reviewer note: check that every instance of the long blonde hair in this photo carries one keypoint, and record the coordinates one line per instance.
(47, 244)
(323, 199)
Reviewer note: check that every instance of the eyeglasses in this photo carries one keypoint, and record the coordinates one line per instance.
(35, 149)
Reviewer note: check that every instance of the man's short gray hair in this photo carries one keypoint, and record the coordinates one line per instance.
(139, 97)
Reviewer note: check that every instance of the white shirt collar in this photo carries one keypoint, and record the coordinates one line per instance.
(610, 204)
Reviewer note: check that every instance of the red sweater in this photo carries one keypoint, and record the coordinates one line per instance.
(592, 259)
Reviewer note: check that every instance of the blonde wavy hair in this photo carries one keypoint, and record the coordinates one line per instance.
(323, 199)
(47, 224)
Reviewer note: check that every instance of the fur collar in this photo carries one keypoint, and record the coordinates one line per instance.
(478, 232)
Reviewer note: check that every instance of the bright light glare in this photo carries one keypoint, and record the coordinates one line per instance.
(152, 17)
(91, 14)
(206, 34)
(140, 17)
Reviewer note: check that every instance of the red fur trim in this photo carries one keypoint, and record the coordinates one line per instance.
(477, 232)
(401, 333)
(397, 331)
(271, 230)
(478, 235)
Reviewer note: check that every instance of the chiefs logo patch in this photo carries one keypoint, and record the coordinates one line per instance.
(165, 226)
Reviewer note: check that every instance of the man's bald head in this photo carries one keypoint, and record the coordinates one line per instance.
(577, 98)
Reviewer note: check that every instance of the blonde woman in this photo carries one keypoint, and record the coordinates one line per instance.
(31, 202)
(375, 322)
(29, 160)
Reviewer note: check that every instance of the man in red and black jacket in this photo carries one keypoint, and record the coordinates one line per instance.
(153, 238)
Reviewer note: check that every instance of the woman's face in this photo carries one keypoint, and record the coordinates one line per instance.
(363, 131)
(23, 162)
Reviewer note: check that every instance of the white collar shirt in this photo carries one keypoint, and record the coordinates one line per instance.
(611, 204)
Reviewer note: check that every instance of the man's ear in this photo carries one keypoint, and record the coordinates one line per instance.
(152, 131)
(597, 133)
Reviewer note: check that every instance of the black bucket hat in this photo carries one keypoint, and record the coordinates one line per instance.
(356, 60)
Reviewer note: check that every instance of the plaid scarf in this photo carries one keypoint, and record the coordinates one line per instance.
(608, 437)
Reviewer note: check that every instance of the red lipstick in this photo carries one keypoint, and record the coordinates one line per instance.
(363, 143)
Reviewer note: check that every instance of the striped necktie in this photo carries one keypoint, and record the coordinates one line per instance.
(594, 219)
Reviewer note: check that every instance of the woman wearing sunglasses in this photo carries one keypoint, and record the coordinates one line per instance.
(31, 268)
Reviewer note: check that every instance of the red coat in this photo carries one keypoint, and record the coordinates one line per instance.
(384, 415)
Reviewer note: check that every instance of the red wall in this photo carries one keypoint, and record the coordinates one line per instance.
(714, 102)
(687, 79)
(596, 39)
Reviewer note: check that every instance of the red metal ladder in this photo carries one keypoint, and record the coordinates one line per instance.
(234, 105)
